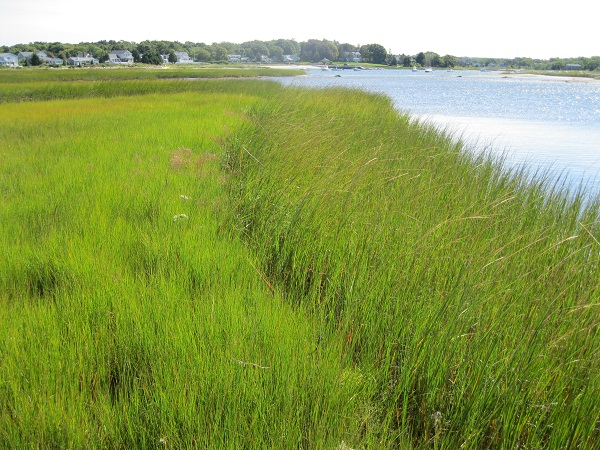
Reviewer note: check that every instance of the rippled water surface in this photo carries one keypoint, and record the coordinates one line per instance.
(544, 122)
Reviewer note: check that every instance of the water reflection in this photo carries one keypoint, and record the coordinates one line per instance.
(546, 123)
(562, 149)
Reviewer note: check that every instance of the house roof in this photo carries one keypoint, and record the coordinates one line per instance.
(29, 54)
(120, 53)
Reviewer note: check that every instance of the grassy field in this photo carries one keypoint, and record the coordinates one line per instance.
(48, 84)
(46, 74)
(232, 264)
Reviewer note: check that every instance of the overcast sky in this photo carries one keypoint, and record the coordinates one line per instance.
(507, 29)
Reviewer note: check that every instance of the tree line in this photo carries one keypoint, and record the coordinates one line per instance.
(312, 50)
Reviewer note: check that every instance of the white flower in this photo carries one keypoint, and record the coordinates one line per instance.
(184, 197)
(177, 217)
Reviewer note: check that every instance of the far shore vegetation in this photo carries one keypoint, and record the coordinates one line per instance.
(289, 50)
(568, 73)
(233, 264)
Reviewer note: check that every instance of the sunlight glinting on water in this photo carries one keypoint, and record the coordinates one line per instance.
(545, 123)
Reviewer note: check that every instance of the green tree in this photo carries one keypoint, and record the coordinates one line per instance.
(201, 54)
(56, 48)
(593, 63)
(373, 53)
(378, 53)
(231, 47)
(420, 59)
(432, 59)
(365, 53)
(35, 60)
(172, 57)
(327, 50)
(136, 55)
(219, 53)
(315, 50)
(289, 46)
(276, 52)
(152, 57)
(449, 61)
(308, 50)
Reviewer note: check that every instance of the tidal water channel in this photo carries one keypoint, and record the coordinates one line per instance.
(549, 124)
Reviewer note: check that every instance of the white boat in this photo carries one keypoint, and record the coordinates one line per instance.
(429, 69)
(415, 69)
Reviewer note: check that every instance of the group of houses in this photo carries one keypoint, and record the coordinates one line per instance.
(290, 59)
(124, 57)
(24, 58)
(263, 58)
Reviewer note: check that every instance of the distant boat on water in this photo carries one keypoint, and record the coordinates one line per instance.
(429, 69)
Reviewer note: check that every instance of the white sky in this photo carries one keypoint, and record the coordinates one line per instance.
(503, 29)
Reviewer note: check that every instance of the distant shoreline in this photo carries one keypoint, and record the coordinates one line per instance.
(565, 78)
(549, 77)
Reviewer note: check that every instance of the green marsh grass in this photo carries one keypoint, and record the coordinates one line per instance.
(465, 294)
(232, 264)
(130, 316)
(46, 74)
(42, 91)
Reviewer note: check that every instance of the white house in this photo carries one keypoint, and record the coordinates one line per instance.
(81, 60)
(183, 58)
(120, 57)
(291, 58)
(44, 58)
(52, 61)
(237, 59)
(353, 56)
(9, 60)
